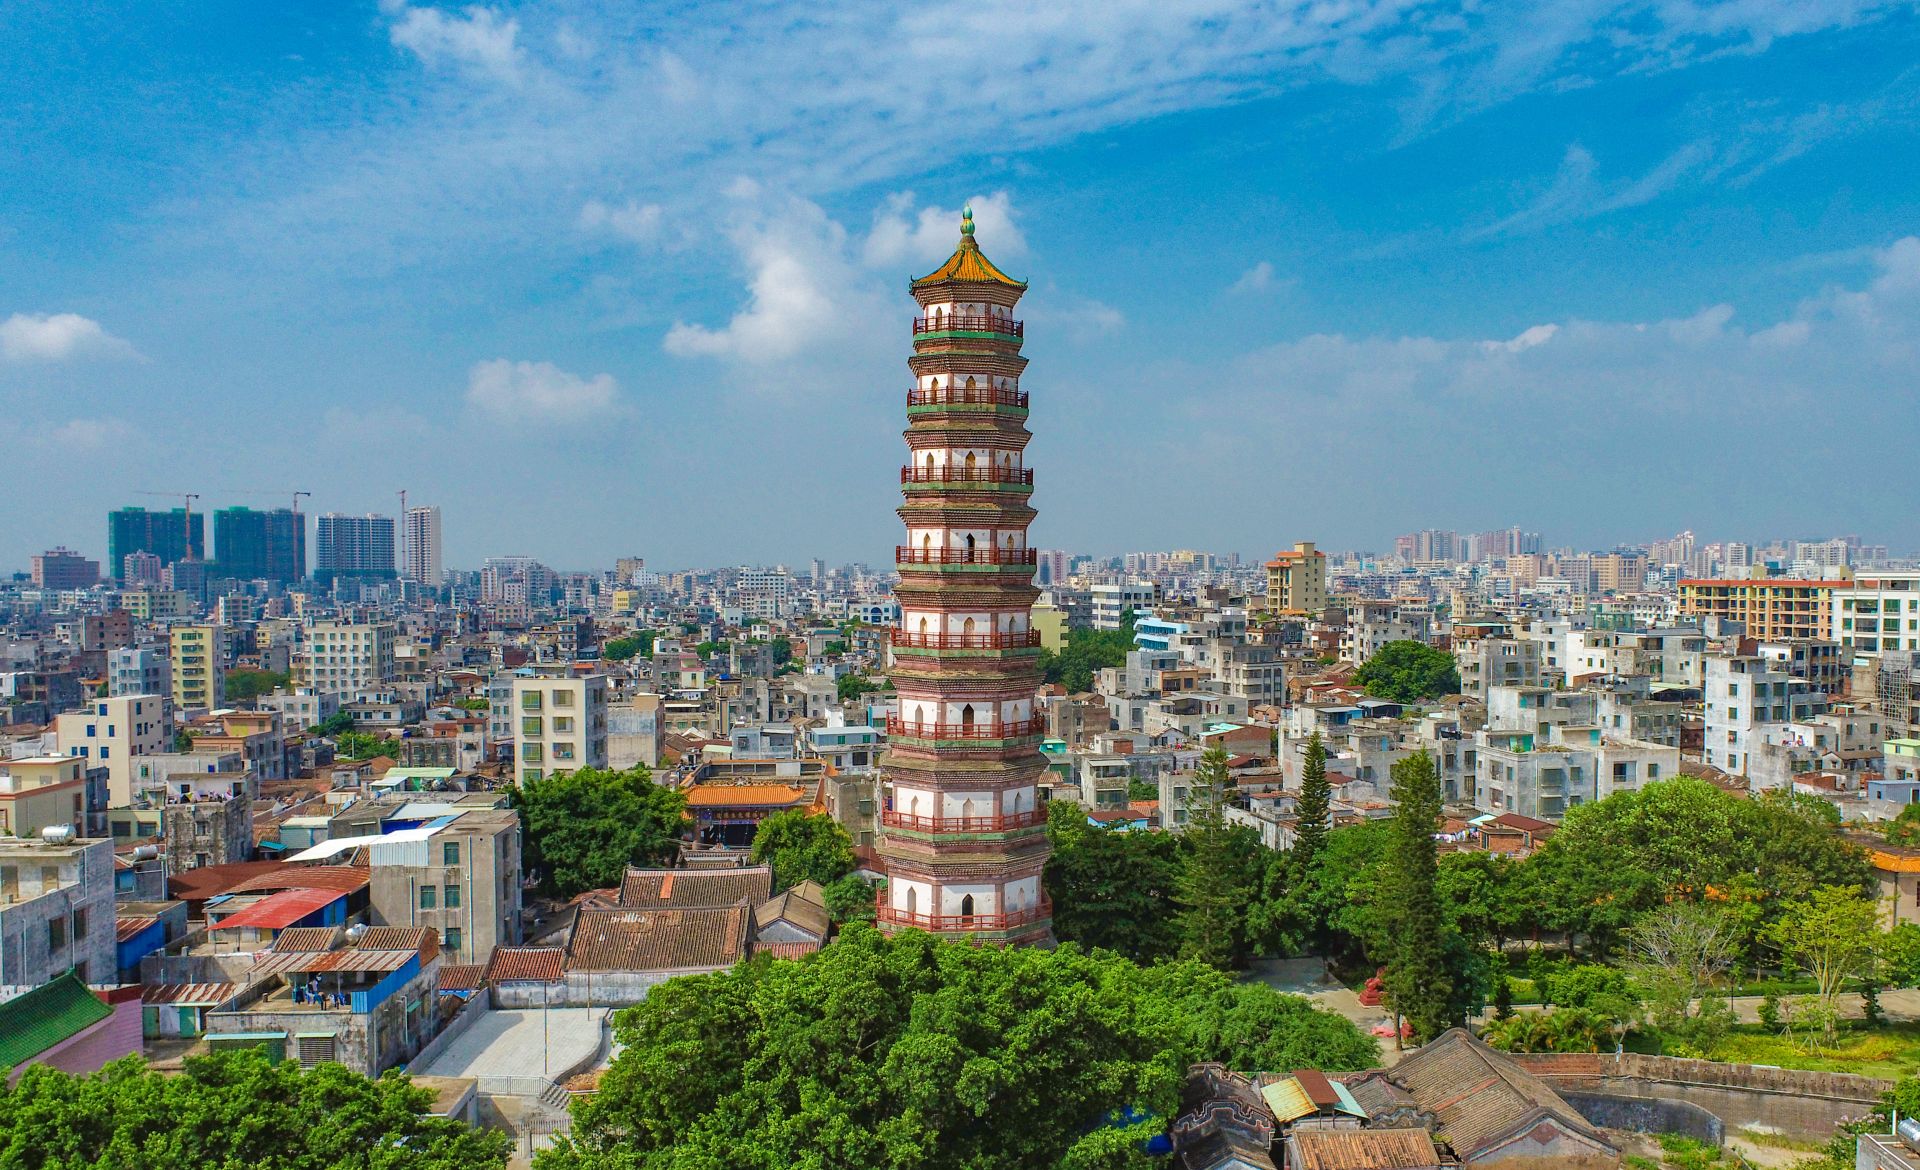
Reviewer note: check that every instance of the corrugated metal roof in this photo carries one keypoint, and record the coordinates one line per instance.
(128, 929)
(350, 960)
(1288, 1099)
(54, 1011)
(189, 994)
(283, 909)
(345, 879)
(306, 938)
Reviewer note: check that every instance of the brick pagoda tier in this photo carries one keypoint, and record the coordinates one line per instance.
(961, 828)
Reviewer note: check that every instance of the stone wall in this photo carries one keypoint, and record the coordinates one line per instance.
(1648, 1115)
(586, 989)
(1801, 1104)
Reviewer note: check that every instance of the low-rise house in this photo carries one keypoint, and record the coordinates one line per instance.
(56, 910)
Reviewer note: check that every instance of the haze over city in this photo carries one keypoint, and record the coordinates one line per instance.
(595, 277)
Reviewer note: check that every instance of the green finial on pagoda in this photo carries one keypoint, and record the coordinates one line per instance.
(966, 221)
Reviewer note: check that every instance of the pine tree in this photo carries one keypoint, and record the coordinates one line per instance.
(1312, 810)
(1417, 981)
(1211, 887)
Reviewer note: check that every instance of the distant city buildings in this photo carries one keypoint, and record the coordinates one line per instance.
(175, 535)
(420, 546)
(62, 568)
(254, 545)
(353, 546)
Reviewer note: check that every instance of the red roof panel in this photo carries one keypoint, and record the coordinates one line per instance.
(277, 911)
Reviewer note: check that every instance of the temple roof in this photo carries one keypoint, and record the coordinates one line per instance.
(968, 262)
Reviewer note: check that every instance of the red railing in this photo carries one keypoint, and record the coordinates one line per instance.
(954, 322)
(1012, 729)
(966, 396)
(993, 640)
(999, 824)
(966, 475)
(908, 555)
(959, 923)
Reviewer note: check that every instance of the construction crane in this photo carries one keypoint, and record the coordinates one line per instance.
(189, 497)
(273, 492)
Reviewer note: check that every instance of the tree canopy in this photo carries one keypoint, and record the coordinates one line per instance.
(1087, 651)
(361, 745)
(583, 828)
(803, 846)
(244, 685)
(232, 1109)
(915, 1054)
(639, 643)
(1407, 672)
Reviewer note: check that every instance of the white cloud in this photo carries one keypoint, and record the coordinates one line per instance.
(55, 337)
(90, 435)
(479, 37)
(539, 393)
(902, 235)
(1257, 279)
(635, 221)
(1526, 339)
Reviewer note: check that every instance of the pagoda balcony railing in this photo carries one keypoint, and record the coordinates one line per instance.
(908, 555)
(1011, 729)
(966, 475)
(991, 640)
(995, 824)
(955, 923)
(966, 396)
(956, 323)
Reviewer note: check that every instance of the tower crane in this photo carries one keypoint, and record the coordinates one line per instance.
(192, 552)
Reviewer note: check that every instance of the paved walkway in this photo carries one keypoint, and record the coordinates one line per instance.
(536, 1042)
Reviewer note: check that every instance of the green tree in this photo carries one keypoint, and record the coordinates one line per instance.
(182, 741)
(1112, 889)
(851, 899)
(245, 685)
(1676, 954)
(232, 1109)
(1314, 809)
(851, 686)
(583, 828)
(639, 643)
(834, 648)
(782, 650)
(1477, 890)
(1086, 652)
(1904, 830)
(1407, 672)
(1830, 936)
(472, 703)
(910, 1053)
(361, 745)
(712, 650)
(1210, 888)
(1417, 978)
(803, 846)
(332, 725)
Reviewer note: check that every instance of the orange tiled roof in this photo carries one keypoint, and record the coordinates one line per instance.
(968, 263)
(723, 795)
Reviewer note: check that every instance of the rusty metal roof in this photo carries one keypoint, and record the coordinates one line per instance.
(354, 960)
(189, 994)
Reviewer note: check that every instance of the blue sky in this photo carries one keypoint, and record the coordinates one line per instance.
(608, 279)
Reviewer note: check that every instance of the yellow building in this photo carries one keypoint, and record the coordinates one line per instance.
(42, 791)
(199, 675)
(1771, 607)
(1297, 581)
(1050, 621)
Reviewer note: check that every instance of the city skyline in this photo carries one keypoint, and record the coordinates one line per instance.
(1316, 268)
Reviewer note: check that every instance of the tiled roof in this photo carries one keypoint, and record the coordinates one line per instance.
(423, 939)
(55, 1011)
(189, 994)
(306, 938)
(969, 263)
(623, 939)
(694, 888)
(127, 929)
(527, 965)
(463, 977)
(803, 906)
(747, 795)
(1362, 1149)
(345, 879)
(786, 950)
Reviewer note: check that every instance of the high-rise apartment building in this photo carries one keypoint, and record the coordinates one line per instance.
(1771, 607)
(176, 535)
(111, 733)
(62, 568)
(353, 546)
(139, 670)
(196, 656)
(268, 546)
(1880, 614)
(1297, 581)
(345, 658)
(420, 546)
(962, 831)
(559, 724)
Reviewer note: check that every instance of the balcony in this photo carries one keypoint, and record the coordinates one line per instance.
(966, 396)
(1012, 729)
(955, 323)
(995, 824)
(1016, 475)
(997, 640)
(964, 923)
(908, 555)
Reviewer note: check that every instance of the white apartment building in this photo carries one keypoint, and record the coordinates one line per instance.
(110, 733)
(345, 658)
(1748, 703)
(1112, 601)
(420, 546)
(1366, 635)
(559, 724)
(139, 670)
(1880, 614)
(1499, 662)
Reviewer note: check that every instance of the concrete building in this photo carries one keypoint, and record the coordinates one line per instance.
(172, 536)
(112, 733)
(1880, 614)
(270, 546)
(40, 791)
(559, 724)
(1297, 581)
(459, 874)
(1769, 607)
(353, 546)
(62, 568)
(139, 670)
(1111, 602)
(1749, 701)
(1486, 663)
(56, 911)
(197, 660)
(345, 658)
(420, 546)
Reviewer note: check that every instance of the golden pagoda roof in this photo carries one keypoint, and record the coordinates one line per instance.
(968, 263)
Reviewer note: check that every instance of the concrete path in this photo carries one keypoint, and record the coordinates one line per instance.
(536, 1042)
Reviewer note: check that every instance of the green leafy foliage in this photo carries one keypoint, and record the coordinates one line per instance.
(782, 648)
(1418, 979)
(1213, 883)
(1312, 810)
(332, 725)
(914, 1053)
(244, 685)
(473, 703)
(1112, 890)
(361, 745)
(1407, 672)
(851, 686)
(803, 846)
(712, 650)
(1904, 830)
(232, 1109)
(852, 898)
(182, 741)
(1087, 651)
(583, 828)
(637, 644)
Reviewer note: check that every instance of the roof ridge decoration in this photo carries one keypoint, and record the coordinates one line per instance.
(967, 263)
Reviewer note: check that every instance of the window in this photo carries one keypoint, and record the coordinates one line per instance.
(453, 938)
(56, 932)
(531, 725)
(529, 775)
(530, 700)
(427, 897)
(531, 753)
(80, 922)
(452, 897)
(450, 853)
(563, 698)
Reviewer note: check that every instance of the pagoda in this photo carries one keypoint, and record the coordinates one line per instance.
(962, 831)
